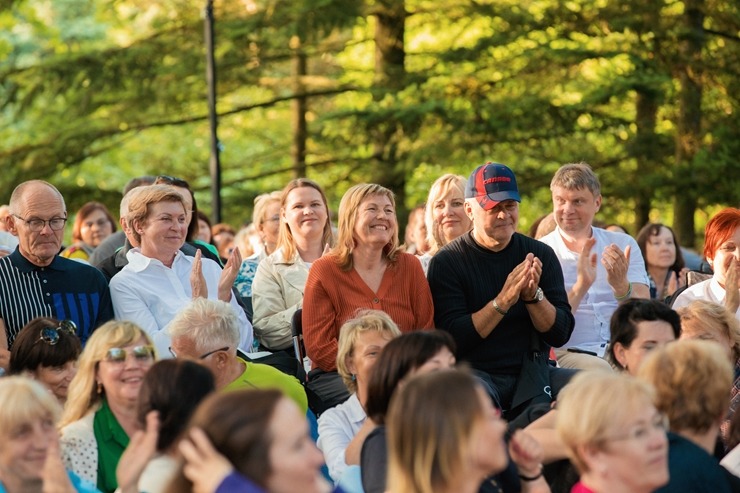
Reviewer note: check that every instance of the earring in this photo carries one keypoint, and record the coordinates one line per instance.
(354, 378)
(100, 388)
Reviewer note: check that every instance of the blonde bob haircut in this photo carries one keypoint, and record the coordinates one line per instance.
(259, 213)
(285, 237)
(440, 188)
(348, 211)
(692, 381)
(349, 333)
(587, 413)
(83, 394)
(431, 421)
(22, 400)
(139, 200)
(715, 318)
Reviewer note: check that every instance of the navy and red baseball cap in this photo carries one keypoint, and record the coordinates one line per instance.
(490, 184)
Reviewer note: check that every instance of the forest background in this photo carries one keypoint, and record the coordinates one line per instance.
(94, 92)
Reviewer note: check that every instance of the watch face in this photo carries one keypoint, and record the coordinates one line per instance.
(539, 295)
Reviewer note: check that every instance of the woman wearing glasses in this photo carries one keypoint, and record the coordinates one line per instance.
(93, 224)
(47, 350)
(613, 433)
(101, 412)
(159, 280)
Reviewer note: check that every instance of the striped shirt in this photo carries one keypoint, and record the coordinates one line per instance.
(65, 289)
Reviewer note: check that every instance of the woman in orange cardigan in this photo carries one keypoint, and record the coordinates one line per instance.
(366, 270)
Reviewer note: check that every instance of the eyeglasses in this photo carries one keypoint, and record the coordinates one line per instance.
(202, 356)
(272, 219)
(641, 432)
(141, 354)
(36, 225)
(50, 335)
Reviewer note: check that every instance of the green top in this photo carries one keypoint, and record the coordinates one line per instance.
(260, 376)
(112, 441)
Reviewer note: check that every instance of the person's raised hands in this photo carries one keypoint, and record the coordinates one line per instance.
(617, 264)
(197, 280)
(228, 275)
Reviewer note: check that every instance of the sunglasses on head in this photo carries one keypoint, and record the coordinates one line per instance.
(50, 335)
(119, 355)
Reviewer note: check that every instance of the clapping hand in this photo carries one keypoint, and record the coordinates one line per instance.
(197, 280)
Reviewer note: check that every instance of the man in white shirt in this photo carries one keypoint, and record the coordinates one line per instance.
(600, 268)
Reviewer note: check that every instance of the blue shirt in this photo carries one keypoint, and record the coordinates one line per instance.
(65, 289)
(80, 485)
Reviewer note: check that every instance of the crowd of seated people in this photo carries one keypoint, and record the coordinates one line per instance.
(412, 378)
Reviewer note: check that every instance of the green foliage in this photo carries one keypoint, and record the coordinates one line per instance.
(95, 92)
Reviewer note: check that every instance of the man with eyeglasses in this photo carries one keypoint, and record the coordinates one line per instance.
(35, 281)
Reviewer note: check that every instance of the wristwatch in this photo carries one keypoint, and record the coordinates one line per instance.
(538, 296)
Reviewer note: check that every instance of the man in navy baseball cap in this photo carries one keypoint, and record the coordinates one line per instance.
(490, 184)
(501, 296)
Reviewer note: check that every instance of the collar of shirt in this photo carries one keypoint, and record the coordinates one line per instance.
(25, 265)
(139, 262)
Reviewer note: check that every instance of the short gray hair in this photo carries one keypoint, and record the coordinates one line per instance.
(576, 176)
(207, 323)
(17, 198)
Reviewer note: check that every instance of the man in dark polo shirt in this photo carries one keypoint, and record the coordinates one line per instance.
(35, 281)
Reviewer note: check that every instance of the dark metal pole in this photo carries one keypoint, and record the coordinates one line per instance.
(215, 162)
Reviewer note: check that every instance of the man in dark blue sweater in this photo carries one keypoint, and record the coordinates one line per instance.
(501, 294)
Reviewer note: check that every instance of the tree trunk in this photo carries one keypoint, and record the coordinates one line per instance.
(390, 78)
(688, 135)
(299, 107)
(645, 151)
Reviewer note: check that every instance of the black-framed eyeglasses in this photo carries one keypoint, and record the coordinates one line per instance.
(36, 225)
(141, 354)
(50, 335)
(202, 356)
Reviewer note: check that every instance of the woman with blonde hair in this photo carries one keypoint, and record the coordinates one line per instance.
(343, 428)
(266, 222)
(366, 270)
(705, 320)
(277, 290)
(29, 441)
(444, 435)
(444, 214)
(613, 433)
(101, 411)
(691, 379)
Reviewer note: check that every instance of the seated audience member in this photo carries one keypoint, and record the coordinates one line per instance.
(277, 290)
(35, 280)
(366, 270)
(116, 240)
(191, 206)
(638, 327)
(444, 435)
(722, 251)
(29, 441)
(249, 441)
(223, 238)
(343, 428)
(500, 295)
(410, 354)
(204, 229)
(266, 221)
(691, 379)
(415, 234)
(613, 433)
(172, 388)
(101, 410)
(47, 350)
(444, 215)
(159, 280)
(705, 320)
(207, 331)
(663, 260)
(600, 268)
(93, 224)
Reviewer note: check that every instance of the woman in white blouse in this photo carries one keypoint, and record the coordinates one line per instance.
(305, 233)
(159, 279)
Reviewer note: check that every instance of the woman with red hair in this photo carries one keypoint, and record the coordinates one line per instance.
(93, 223)
(722, 251)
